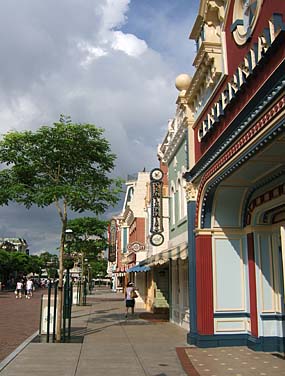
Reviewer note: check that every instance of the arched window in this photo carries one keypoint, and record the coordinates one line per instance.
(172, 205)
(180, 193)
(182, 198)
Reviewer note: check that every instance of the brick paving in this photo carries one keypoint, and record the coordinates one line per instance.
(230, 361)
(19, 319)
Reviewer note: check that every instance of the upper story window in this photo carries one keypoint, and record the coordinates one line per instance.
(124, 239)
(130, 195)
(181, 199)
(172, 205)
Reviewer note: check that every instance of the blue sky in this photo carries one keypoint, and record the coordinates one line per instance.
(112, 63)
(165, 26)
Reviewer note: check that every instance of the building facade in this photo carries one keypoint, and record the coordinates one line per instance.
(236, 183)
(173, 153)
(130, 234)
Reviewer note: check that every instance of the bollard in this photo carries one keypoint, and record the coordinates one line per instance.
(48, 311)
(54, 311)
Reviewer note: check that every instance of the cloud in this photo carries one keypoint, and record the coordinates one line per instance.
(129, 44)
(112, 63)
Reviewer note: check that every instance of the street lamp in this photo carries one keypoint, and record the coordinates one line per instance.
(68, 259)
(68, 264)
(69, 236)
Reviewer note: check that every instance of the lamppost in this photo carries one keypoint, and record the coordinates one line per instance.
(68, 260)
(68, 264)
(89, 279)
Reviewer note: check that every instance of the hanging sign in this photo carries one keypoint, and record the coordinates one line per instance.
(156, 227)
(112, 232)
(135, 247)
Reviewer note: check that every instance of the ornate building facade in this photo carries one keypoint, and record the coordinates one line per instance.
(236, 180)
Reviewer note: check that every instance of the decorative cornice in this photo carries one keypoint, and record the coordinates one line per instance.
(128, 216)
(191, 191)
(242, 125)
(244, 140)
(176, 130)
(208, 63)
(250, 204)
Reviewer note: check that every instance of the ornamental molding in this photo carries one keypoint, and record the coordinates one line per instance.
(208, 64)
(263, 198)
(191, 191)
(128, 216)
(243, 124)
(242, 143)
(176, 131)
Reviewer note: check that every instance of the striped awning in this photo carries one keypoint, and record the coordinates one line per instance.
(180, 252)
(138, 268)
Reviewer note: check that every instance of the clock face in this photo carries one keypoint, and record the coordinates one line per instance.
(156, 174)
(244, 19)
(156, 239)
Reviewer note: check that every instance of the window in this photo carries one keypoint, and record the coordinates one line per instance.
(181, 199)
(172, 204)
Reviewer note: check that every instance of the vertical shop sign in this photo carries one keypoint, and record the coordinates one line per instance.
(112, 231)
(156, 227)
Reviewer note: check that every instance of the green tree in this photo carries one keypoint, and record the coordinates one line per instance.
(5, 265)
(20, 262)
(49, 262)
(99, 268)
(89, 241)
(34, 264)
(68, 165)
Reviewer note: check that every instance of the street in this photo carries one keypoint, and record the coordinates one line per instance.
(19, 319)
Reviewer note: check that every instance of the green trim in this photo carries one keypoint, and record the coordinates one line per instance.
(266, 344)
(231, 314)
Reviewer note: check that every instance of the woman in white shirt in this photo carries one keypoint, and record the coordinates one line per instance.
(130, 295)
(19, 287)
(29, 288)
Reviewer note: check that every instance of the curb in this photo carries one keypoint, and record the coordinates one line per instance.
(186, 364)
(20, 348)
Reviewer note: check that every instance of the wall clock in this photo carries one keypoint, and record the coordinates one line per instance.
(156, 239)
(156, 174)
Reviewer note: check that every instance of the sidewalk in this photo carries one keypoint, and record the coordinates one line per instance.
(112, 345)
(105, 343)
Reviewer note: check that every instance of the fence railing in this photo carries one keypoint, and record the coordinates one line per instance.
(49, 308)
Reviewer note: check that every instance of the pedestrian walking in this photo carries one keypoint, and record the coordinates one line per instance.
(19, 288)
(24, 281)
(29, 286)
(130, 295)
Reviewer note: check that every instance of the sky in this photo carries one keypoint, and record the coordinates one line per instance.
(112, 63)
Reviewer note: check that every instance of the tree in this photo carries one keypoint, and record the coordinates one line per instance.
(68, 165)
(99, 268)
(5, 263)
(88, 242)
(34, 264)
(50, 263)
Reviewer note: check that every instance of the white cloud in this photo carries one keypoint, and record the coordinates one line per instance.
(90, 53)
(114, 13)
(129, 44)
(87, 59)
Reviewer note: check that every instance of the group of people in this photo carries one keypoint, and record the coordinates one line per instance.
(25, 285)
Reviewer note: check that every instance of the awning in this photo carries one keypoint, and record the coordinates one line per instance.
(138, 268)
(180, 252)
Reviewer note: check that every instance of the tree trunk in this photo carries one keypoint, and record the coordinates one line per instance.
(82, 280)
(60, 286)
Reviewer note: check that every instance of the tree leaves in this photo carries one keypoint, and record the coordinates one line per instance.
(67, 161)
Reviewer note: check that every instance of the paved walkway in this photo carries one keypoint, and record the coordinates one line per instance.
(19, 319)
(113, 345)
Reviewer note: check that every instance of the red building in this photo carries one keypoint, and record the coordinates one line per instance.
(236, 179)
